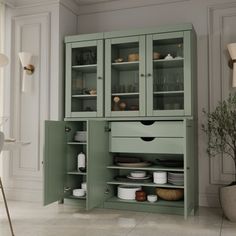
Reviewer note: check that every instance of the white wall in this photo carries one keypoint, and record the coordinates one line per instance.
(211, 18)
(37, 29)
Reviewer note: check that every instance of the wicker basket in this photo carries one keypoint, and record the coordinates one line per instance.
(170, 194)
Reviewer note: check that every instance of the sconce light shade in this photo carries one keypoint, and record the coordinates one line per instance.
(3, 60)
(232, 52)
(25, 58)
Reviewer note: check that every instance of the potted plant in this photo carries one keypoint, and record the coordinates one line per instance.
(221, 131)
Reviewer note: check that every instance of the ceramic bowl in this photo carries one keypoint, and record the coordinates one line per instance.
(152, 198)
(138, 174)
(170, 194)
(78, 192)
(127, 192)
(80, 136)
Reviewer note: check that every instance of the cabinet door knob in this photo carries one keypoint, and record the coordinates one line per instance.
(149, 74)
(99, 77)
(142, 75)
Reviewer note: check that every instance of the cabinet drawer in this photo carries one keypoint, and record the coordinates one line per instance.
(146, 145)
(138, 129)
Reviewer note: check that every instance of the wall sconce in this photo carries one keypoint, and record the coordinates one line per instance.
(25, 58)
(232, 63)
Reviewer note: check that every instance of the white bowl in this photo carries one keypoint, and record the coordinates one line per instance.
(78, 192)
(152, 198)
(81, 136)
(138, 174)
(127, 192)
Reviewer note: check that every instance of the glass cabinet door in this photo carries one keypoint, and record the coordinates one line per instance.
(125, 76)
(84, 79)
(168, 80)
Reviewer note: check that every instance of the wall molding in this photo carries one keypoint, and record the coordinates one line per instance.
(19, 4)
(219, 76)
(121, 5)
(31, 33)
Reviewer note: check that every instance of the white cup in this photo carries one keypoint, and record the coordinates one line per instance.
(152, 198)
(84, 186)
(160, 177)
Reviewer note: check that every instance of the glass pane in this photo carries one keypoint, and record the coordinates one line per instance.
(84, 79)
(168, 74)
(125, 77)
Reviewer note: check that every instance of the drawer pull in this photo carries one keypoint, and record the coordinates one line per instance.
(147, 122)
(147, 139)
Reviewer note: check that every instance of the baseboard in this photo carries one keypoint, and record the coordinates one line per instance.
(24, 195)
(209, 200)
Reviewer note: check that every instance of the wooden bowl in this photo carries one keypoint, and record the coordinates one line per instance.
(170, 194)
(133, 57)
(156, 55)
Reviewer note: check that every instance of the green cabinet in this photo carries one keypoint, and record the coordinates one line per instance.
(149, 75)
(84, 77)
(133, 94)
(139, 73)
(128, 139)
(125, 76)
(61, 175)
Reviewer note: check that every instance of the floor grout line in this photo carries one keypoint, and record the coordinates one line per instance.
(221, 225)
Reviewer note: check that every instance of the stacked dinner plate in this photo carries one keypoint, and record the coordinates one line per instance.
(176, 178)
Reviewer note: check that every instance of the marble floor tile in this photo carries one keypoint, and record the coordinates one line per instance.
(228, 228)
(31, 219)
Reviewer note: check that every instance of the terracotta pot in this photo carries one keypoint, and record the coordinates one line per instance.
(228, 202)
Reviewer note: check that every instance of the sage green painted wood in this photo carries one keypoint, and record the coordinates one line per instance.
(108, 75)
(188, 170)
(97, 159)
(125, 40)
(160, 206)
(84, 44)
(100, 78)
(138, 129)
(108, 78)
(188, 93)
(142, 80)
(138, 145)
(150, 72)
(83, 37)
(161, 29)
(148, 118)
(68, 81)
(54, 161)
(149, 68)
(168, 35)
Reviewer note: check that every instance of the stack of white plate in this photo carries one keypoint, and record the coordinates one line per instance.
(127, 192)
(176, 178)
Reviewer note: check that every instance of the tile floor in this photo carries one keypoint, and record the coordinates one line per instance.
(30, 219)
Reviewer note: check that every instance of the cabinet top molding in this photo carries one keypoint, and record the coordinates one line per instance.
(124, 33)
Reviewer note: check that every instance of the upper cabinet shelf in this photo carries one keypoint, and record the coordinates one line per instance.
(85, 68)
(168, 63)
(126, 66)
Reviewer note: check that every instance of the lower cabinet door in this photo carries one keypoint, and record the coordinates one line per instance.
(98, 159)
(54, 161)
